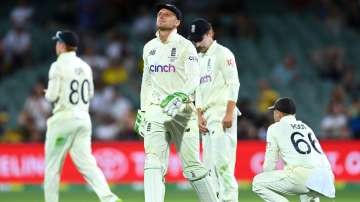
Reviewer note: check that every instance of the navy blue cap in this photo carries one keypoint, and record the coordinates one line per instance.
(285, 105)
(170, 7)
(68, 37)
(198, 28)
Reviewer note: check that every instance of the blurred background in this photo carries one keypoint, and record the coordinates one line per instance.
(304, 49)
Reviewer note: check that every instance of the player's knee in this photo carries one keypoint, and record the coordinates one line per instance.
(256, 185)
(195, 174)
(152, 161)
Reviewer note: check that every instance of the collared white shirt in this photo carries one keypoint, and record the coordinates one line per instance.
(295, 143)
(70, 84)
(170, 66)
(219, 81)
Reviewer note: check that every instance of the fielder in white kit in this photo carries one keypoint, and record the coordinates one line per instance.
(70, 88)
(307, 171)
(170, 77)
(216, 106)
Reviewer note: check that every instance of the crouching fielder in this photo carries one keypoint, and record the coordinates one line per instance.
(307, 171)
(171, 75)
(216, 105)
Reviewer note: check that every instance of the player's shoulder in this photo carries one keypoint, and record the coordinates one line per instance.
(150, 43)
(81, 61)
(55, 67)
(224, 50)
(183, 41)
(84, 64)
(186, 45)
(307, 126)
(275, 127)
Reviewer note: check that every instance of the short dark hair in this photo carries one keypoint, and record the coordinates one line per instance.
(70, 48)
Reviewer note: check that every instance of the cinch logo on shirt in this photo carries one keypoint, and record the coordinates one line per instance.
(162, 68)
(205, 79)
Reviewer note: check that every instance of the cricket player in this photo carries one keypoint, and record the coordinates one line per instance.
(170, 77)
(216, 106)
(70, 88)
(307, 171)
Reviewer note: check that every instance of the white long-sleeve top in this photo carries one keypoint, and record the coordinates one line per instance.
(219, 81)
(170, 66)
(70, 85)
(295, 143)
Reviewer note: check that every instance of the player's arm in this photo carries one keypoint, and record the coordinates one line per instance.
(231, 77)
(52, 92)
(146, 90)
(145, 97)
(192, 70)
(272, 150)
(201, 120)
(91, 89)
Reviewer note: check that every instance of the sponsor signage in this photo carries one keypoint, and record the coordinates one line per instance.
(122, 162)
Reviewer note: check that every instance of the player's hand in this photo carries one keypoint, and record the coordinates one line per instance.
(227, 121)
(139, 125)
(202, 124)
(172, 103)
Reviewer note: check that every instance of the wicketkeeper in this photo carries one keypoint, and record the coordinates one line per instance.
(171, 75)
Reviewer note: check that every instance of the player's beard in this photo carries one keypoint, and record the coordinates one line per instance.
(201, 49)
(165, 28)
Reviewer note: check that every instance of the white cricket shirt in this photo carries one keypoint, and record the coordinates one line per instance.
(219, 81)
(169, 67)
(70, 84)
(295, 143)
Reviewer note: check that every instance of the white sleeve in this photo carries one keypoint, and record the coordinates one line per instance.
(91, 82)
(272, 150)
(198, 99)
(231, 77)
(145, 93)
(192, 70)
(54, 85)
(91, 89)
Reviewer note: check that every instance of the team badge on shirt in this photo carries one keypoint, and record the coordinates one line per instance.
(172, 56)
(209, 65)
(173, 52)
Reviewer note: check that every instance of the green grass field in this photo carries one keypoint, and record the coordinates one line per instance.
(137, 196)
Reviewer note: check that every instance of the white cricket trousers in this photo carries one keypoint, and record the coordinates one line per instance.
(66, 132)
(219, 153)
(160, 133)
(272, 186)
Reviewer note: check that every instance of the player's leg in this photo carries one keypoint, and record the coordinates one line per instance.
(209, 150)
(225, 162)
(271, 186)
(85, 162)
(57, 143)
(156, 145)
(187, 144)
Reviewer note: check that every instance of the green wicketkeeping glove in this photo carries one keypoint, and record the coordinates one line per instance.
(172, 103)
(139, 126)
